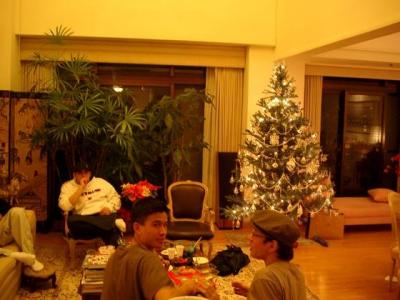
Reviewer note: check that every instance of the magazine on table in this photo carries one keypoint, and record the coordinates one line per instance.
(95, 261)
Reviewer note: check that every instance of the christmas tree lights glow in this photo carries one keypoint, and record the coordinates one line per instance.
(281, 158)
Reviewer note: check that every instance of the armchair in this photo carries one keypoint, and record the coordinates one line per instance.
(190, 217)
(394, 204)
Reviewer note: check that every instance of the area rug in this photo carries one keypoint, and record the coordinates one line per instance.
(69, 275)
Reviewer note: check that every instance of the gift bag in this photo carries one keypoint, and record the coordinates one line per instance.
(329, 226)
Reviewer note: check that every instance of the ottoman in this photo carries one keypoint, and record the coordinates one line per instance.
(34, 279)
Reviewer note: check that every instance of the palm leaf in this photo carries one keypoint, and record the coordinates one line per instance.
(90, 103)
(58, 35)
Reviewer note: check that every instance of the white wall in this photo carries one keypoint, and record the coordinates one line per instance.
(222, 21)
(307, 25)
(9, 47)
(258, 72)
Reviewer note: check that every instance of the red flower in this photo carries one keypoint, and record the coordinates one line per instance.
(140, 190)
(394, 165)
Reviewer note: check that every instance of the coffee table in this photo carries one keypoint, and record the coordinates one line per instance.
(91, 284)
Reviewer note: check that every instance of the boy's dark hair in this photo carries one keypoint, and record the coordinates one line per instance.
(81, 166)
(142, 208)
(285, 252)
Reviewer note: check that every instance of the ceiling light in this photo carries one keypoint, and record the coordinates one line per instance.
(118, 89)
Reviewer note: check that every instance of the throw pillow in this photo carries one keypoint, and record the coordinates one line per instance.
(379, 195)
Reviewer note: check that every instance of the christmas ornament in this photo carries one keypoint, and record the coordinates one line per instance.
(274, 139)
(291, 164)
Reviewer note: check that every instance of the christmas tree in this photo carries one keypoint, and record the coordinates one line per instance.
(281, 159)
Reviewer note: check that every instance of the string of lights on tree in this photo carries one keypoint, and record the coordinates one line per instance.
(281, 159)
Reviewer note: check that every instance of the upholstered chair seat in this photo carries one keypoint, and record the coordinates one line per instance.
(187, 230)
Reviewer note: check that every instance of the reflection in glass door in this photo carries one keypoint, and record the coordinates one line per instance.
(362, 159)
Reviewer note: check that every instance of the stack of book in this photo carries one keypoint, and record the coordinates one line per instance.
(93, 273)
(92, 280)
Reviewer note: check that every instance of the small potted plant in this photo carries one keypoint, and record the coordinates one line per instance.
(394, 167)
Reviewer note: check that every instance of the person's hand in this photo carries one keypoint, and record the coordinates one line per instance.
(105, 211)
(165, 263)
(240, 288)
(207, 289)
(202, 287)
(188, 287)
(84, 181)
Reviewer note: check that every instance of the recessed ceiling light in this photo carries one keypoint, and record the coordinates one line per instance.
(118, 89)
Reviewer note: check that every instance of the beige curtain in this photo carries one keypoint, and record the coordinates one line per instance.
(313, 101)
(224, 124)
(35, 79)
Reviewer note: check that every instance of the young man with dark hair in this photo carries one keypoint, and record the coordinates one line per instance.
(94, 203)
(136, 271)
(273, 238)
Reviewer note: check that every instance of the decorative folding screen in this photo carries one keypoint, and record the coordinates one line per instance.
(4, 135)
(19, 118)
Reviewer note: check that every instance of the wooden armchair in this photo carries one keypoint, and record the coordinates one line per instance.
(394, 204)
(190, 217)
(72, 242)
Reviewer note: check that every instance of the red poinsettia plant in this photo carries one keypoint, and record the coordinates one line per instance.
(140, 190)
(132, 192)
(394, 165)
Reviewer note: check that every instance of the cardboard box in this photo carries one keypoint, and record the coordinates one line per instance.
(329, 226)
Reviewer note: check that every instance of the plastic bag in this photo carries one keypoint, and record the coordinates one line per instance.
(230, 260)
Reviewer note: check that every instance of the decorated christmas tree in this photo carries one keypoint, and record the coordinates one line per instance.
(281, 159)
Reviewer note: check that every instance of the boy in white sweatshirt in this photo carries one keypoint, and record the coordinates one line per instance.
(93, 203)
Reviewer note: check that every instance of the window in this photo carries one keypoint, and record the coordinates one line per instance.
(151, 83)
(360, 132)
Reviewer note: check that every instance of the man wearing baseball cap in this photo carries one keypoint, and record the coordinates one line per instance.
(272, 240)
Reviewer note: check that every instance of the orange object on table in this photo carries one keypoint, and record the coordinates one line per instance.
(174, 278)
(182, 274)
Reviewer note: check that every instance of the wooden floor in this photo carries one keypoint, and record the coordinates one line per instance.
(349, 269)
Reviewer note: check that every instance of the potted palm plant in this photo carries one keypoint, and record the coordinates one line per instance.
(96, 124)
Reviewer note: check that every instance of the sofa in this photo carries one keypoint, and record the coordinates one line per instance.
(362, 211)
(10, 269)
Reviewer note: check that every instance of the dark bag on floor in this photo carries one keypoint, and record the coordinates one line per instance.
(230, 261)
